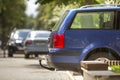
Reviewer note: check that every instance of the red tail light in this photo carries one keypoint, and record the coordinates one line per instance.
(28, 42)
(58, 41)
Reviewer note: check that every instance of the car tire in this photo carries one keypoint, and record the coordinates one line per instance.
(102, 56)
(10, 52)
(36, 55)
(27, 56)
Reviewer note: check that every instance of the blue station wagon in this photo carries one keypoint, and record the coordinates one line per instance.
(86, 33)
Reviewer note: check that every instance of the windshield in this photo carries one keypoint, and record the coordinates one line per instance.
(57, 25)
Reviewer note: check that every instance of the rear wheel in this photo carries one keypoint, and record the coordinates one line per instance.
(26, 55)
(101, 56)
(105, 60)
(36, 55)
(10, 52)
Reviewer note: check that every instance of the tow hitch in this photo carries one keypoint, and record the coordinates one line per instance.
(43, 63)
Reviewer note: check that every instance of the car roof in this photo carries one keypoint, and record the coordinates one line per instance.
(23, 30)
(40, 31)
(103, 7)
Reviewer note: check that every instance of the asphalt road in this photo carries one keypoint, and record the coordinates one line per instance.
(18, 68)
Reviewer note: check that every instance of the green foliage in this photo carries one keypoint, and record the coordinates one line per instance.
(108, 1)
(79, 2)
(31, 23)
(51, 10)
(60, 2)
(45, 14)
(115, 69)
(12, 14)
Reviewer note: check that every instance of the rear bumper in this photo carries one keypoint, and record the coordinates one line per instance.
(20, 48)
(49, 61)
(62, 65)
(36, 50)
(63, 60)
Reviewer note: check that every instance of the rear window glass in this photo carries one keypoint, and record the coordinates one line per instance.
(57, 25)
(39, 34)
(93, 20)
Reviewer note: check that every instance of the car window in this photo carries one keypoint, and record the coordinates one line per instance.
(42, 35)
(93, 20)
(57, 25)
(38, 35)
(20, 34)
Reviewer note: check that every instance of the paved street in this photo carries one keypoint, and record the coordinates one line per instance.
(18, 68)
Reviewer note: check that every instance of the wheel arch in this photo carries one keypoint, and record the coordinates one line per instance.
(96, 47)
(102, 49)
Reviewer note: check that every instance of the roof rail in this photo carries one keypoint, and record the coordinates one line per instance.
(101, 5)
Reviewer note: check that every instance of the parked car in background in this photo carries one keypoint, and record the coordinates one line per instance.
(36, 43)
(15, 43)
(86, 33)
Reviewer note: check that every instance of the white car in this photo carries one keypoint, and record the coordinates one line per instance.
(36, 43)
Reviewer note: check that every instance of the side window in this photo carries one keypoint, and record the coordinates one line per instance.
(108, 20)
(93, 20)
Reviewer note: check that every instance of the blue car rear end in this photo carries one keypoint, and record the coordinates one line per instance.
(85, 34)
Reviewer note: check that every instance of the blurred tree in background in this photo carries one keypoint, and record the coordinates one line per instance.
(51, 10)
(12, 14)
(31, 22)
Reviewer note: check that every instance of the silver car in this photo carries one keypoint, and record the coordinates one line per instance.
(36, 43)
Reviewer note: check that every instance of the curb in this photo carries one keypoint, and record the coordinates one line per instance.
(71, 76)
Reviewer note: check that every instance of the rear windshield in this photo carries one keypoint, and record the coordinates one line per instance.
(39, 35)
(20, 35)
(57, 25)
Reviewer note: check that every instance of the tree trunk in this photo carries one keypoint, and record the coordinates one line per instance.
(3, 37)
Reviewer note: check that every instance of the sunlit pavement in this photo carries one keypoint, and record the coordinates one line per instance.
(19, 68)
(22, 69)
